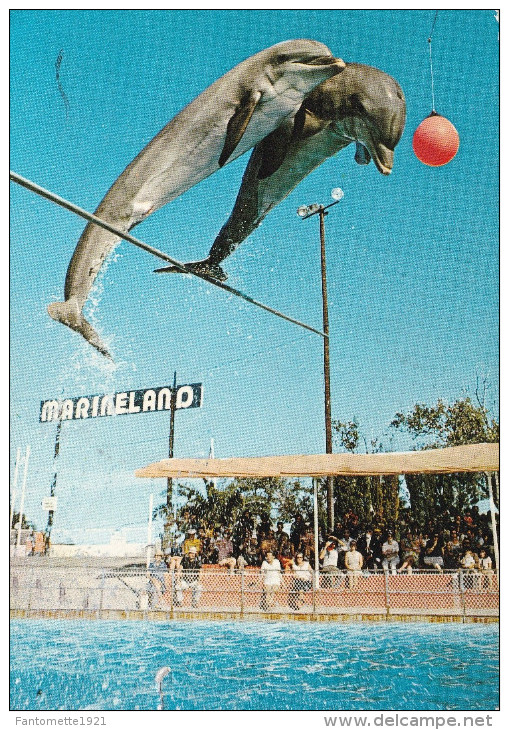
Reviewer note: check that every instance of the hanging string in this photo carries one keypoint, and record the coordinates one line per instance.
(431, 65)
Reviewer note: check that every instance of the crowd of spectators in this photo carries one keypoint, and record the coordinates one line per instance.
(454, 541)
(459, 542)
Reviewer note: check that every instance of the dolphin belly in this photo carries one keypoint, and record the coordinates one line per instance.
(226, 120)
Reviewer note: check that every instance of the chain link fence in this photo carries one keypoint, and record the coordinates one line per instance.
(38, 588)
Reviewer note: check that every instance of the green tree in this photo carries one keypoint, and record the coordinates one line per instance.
(366, 496)
(438, 426)
(223, 503)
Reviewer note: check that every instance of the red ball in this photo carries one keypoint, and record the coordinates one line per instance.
(435, 141)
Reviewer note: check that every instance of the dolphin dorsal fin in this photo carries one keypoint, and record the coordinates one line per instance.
(238, 124)
(307, 124)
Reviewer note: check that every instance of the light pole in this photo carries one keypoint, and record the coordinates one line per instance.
(171, 441)
(307, 211)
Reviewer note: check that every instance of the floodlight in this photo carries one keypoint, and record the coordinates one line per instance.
(337, 194)
(302, 211)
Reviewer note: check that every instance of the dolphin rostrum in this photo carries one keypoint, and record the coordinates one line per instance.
(230, 117)
(362, 105)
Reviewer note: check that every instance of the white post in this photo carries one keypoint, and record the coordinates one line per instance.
(315, 530)
(14, 485)
(493, 521)
(22, 503)
(149, 529)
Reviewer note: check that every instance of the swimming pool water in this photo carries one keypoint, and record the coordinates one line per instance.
(111, 665)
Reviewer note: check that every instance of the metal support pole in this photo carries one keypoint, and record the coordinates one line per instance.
(171, 441)
(493, 521)
(461, 588)
(326, 370)
(54, 481)
(14, 485)
(22, 503)
(387, 600)
(101, 595)
(242, 589)
(497, 492)
(149, 529)
(316, 582)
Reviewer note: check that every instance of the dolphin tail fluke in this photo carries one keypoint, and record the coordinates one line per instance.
(69, 313)
(203, 268)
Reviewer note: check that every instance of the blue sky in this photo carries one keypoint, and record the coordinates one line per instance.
(412, 259)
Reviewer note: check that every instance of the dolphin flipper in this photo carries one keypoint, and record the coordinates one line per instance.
(69, 313)
(238, 124)
(273, 150)
(306, 124)
(277, 144)
(362, 156)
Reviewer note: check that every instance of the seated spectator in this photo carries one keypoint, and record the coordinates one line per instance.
(433, 552)
(189, 577)
(338, 529)
(329, 556)
(302, 581)
(192, 541)
(267, 543)
(247, 554)
(224, 547)
(343, 545)
(210, 555)
(468, 561)
(352, 524)
(468, 565)
(271, 578)
(353, 565)
(296, 532)
(242, 529)
(284, 552)
(486, 570)
(452, 551)
(474, 539)
(204, 536)
(376, 547)
(264, 528)
(173, 550)
(365, 547)
(475, 516)
(280, 535)
(410, 547)
(246, 523)
(390, 552)
(157, 573)
(308, 545)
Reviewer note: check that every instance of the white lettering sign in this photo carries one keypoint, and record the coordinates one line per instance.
(124, 403)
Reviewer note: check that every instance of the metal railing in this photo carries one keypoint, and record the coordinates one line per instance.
(461, 593)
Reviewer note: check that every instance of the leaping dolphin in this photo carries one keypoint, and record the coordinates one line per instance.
(362, 105)
(230, 117)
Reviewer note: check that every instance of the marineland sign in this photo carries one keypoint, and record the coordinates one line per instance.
(121, 404)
